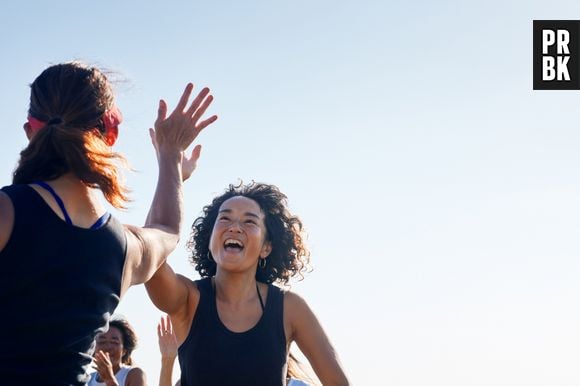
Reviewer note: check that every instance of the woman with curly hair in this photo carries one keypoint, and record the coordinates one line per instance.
(235, 327)
(112, 358)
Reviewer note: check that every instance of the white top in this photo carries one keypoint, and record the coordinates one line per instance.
(121, 377)
(296, 382)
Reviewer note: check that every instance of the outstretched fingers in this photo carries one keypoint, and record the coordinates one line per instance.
(202, 108)
(203, 124)
(177, 130)
(161, 112)
(195, 154)
(164, 327)
(198, 100)
(160, 328)
(184, 97)
(169, 326)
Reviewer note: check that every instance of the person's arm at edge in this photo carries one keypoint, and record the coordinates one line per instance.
(311, 339)
(148, 247)
(166, 372)
(6, 219)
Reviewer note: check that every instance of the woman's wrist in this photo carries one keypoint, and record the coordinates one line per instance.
(172, 156)
(112, 382)
(168, 359)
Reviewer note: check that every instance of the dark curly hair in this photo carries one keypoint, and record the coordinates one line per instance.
(289, 256)
(129, 338)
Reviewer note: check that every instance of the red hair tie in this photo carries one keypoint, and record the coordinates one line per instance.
(35, 124)
(111, 120)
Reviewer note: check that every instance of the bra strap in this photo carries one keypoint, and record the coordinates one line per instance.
(260, 297)
(56, 198)
(101, 221)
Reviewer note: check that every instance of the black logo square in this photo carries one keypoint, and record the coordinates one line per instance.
(556, 54)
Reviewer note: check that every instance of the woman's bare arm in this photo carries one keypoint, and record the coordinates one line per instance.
(148, 247)
(175, 295)
(306, 331)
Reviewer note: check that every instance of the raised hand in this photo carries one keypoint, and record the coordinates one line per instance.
(167, 340)
(174, 133)
(188, 164)
(103, 365)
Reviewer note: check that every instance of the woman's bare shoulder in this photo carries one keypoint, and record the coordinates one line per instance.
(293, 301)
(136, 377)
(295, 309)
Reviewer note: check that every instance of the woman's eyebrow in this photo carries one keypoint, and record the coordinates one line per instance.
(252, 214)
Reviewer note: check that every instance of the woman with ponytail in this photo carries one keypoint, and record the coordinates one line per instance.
(65, 262)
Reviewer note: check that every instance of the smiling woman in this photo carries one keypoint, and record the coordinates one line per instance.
(263, 204)
(235, 327)
(113, 357)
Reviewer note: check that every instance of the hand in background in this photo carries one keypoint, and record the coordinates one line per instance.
(103, 365)
(167, 339)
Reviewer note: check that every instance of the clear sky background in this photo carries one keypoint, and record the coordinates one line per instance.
(441, 193)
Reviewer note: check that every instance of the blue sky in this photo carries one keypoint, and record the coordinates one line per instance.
(440, 192)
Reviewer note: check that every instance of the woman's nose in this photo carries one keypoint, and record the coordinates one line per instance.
(235, 226)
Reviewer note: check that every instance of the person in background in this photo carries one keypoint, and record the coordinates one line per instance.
(66, 262)
(112, 358)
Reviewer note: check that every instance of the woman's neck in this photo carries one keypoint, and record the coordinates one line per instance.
(69, 182)
(77, 194)
(235, 288)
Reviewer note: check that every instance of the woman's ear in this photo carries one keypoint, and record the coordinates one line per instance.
(28, 130)
(266, 249)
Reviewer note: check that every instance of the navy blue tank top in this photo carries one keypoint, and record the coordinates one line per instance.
(59, 284)
(212, 355)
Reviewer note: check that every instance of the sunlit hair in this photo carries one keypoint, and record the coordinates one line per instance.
(289, 256)
(129, 339)
(71, 98)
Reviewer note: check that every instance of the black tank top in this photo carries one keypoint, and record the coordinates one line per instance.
(59, 284)
(212, 355)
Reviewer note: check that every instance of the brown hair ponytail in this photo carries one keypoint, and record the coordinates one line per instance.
(72, 98)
